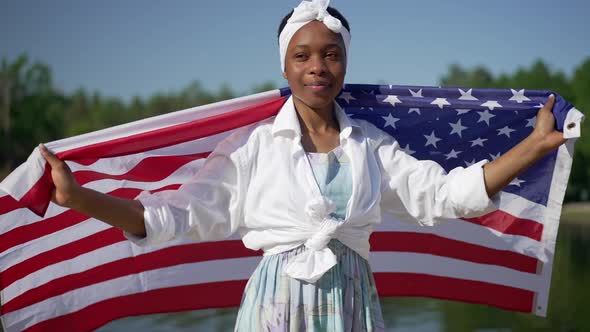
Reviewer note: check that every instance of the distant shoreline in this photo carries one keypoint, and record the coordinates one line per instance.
(577, 213)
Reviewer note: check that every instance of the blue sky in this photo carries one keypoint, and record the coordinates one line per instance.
(127, 48)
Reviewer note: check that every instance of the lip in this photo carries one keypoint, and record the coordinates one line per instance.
(318, 86)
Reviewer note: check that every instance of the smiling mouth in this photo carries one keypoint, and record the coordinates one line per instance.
(318, 86)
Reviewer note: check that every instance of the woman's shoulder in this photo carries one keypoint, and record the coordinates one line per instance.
(370, 131)
(244, 138)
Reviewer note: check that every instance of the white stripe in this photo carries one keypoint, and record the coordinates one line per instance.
(520, 207)
(561, 172)
(453, 268)
(463, 231)
(186, 274)
(122, 164)
(162, 121)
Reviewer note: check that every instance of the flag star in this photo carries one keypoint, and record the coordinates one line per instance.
(392, 100)
(478, 141)
(452, 154)
(518, 96)
(469, 163)
(417, 110)
(347, 96)
(408, 150)
(539, 105)
(431, 139)
(531, 122)
(505, 131)
(416, 94)
(495, 156)
(390, 121)
(440, 102)
(462, 111)
(485, 116)
(491, 104)
(516, 182)
(457, 128)
(466, 95)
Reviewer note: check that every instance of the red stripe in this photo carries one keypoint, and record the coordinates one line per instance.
(229, 293)
(60, 254)
(509, 224)
(177, 134)
(412, 284)
(51, 225)
(172, 256)
(7, 204)
(37, 198)
(144, 170)
(441, 246)
(181, 298)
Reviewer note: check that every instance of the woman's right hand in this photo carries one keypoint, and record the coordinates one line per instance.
(66, 185)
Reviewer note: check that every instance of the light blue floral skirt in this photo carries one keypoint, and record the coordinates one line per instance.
(343, 299)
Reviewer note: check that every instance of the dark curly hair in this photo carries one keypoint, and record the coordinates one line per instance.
(333, 11)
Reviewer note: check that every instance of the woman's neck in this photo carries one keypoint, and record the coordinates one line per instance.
(317, 121)
(319, 127)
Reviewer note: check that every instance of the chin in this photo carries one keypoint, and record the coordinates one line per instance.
(316, 102)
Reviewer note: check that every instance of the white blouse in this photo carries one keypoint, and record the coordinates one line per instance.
(259, 183)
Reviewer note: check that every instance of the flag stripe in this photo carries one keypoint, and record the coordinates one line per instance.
(178, 133)
(144, 170)
(440, 246)
(509, 224)
(180, 298)
(413, 284)
(229, 293)
(155, 260)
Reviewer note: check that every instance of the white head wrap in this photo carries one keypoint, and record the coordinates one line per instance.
(307, 11)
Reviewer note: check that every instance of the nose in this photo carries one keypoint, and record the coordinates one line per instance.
(317, 65)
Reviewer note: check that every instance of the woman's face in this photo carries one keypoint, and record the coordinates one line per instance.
(315, 65)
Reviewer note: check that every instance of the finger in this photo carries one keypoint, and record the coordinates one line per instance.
(549, 104)
(50, 157)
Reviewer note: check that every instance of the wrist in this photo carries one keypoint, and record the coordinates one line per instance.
(535, 145)
(74, 197)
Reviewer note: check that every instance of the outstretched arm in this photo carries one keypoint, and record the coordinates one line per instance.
(125, 214)
(543, 139)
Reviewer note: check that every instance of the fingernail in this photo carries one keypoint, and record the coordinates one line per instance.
(551, 96)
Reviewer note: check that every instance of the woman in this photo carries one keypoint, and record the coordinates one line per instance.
(307, 187)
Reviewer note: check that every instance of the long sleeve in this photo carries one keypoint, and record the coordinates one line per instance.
(209, 207)
(421, 191)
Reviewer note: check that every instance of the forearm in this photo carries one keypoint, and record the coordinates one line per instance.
(122, 213)
(500, 172)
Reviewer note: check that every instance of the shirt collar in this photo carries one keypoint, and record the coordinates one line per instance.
(287, 122)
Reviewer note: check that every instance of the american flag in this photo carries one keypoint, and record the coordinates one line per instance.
(60, 270)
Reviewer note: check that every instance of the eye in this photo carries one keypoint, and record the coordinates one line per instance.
(300, 56)
(332, 55)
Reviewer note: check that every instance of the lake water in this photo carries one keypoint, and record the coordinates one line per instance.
(569, 305)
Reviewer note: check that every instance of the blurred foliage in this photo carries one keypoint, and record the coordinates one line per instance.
(575, 89)
(33, 110)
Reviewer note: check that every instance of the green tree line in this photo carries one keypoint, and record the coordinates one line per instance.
(34, 110)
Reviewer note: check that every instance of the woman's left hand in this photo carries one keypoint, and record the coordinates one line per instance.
(545, 134)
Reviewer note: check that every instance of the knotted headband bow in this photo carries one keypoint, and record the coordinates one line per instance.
(306, 12)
